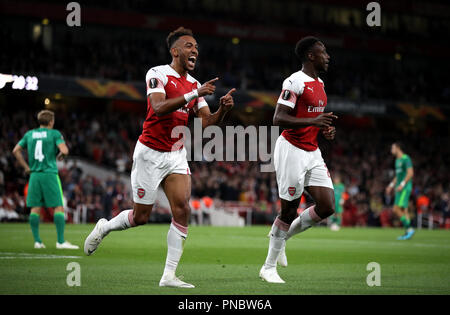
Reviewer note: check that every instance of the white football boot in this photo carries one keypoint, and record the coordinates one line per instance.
(334, 227)
(170, 280)
(66, 245)
(270, 275)
(38, 245)
(95, 238)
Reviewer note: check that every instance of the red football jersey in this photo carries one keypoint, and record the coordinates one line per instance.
(157, 131)
(307, 97)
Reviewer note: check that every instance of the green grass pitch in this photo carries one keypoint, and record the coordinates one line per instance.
(226, 261)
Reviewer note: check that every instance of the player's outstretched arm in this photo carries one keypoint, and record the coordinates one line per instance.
(163, 106)
(17, 152)
(226, 103)
(285, 119)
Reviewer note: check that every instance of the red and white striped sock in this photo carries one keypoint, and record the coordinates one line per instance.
(276, 243)
(303, 222)
(122, 221)
(175, 243)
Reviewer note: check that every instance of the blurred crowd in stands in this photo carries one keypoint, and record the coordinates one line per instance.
(361, 156)
(125, 54)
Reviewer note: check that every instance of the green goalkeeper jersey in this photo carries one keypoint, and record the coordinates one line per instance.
(402, 165)
(42, 146)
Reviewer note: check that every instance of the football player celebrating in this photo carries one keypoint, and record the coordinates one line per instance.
(159, 159)
(297, 159)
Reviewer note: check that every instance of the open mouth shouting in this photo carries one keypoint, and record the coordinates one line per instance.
(191, 61)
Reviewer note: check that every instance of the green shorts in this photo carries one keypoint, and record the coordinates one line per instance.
(44, 190)
(402, 198)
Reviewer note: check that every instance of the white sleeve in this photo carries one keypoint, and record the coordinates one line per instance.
(290, 92)
(155, 81)
(201, 102)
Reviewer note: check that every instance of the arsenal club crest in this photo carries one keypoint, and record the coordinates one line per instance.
(141, 192)
(291, 191)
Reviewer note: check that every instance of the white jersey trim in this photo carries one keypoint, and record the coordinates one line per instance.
(295, 84)
(160, 73)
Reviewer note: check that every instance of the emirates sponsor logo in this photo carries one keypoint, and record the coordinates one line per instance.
(315, 109)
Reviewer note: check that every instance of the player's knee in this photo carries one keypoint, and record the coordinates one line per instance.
(140, 218)
(181, 212)
(325, 211)
(332, 211)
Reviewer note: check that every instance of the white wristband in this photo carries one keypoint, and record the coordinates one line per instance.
(190, 96)
(403, 183)
(391, 184)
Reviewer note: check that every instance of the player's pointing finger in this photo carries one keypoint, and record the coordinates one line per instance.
(231, 91)
(212, 81)
(330, 114)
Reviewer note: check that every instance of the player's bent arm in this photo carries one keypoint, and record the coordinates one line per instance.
(285, 119)
(63, 149)
(208, 118)
(408, 177)
(17, 152)
(162, 106)
(226, 103)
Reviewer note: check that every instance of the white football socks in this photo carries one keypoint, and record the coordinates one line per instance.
(277, 242)
(303, 222)
(122, 221)
(175, 243)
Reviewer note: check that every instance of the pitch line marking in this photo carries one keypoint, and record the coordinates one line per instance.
(9, 255)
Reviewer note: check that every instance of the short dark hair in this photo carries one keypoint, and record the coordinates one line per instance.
(303, 47)
(173, 36)
(45, 117)
(399, 145)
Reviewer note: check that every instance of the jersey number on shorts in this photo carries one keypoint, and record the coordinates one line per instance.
(38, 155)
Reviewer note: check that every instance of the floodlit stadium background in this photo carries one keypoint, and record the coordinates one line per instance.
(385, 83)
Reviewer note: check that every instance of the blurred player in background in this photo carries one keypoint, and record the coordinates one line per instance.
(297, 158)
(402, 183)
(339, 189)
(44, 187)
(160, 159)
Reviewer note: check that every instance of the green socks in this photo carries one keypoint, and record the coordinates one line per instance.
(60, 222)
(406, 222)
(335, 219)
(34, 223)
